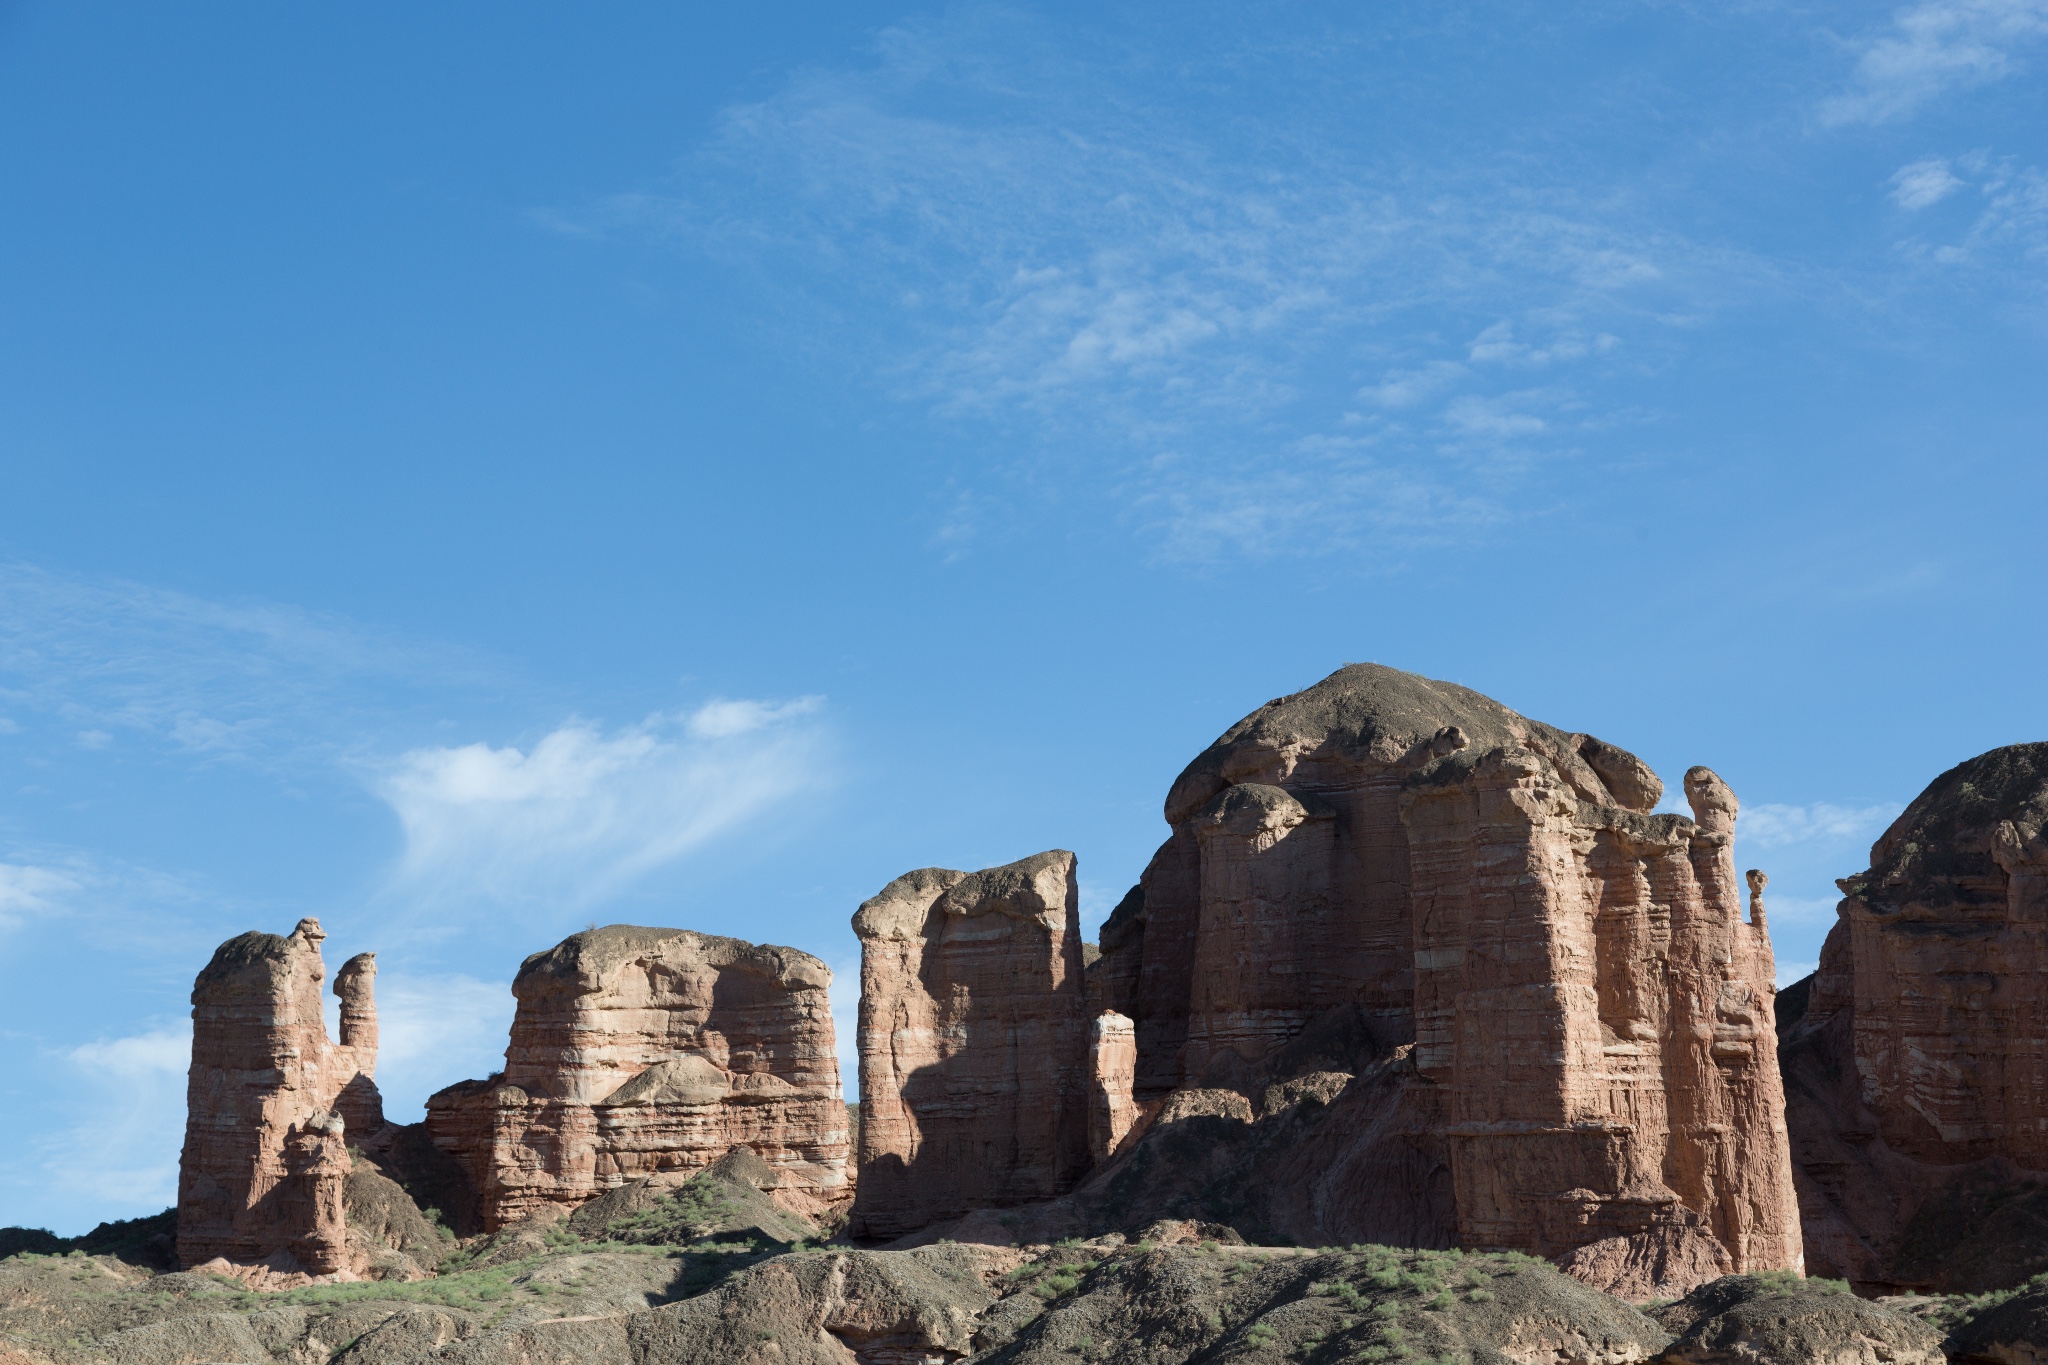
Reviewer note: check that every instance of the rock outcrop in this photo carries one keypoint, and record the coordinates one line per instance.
(1916, 1058)
(974, 1051)
(265, 1161)
(1566, 1021)
(1751, 1319)
(640, 1051)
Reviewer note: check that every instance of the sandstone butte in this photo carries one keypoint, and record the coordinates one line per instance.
(269, 1100)
(636, 1052)
(973, 1043)
(1527, 1006)
(1916, 1057)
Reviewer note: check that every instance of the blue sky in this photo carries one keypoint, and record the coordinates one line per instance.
(475, 471)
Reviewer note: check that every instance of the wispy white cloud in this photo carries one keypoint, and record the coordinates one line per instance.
(1923, 183)
(1499, 345)
(1931, 48)
(166, 1051)
(1169, 314)
(1780, 826)
(2008, 236)
(126, 1103)
(1492, 417)
(583, 812)
(103, 661)
(27, 891)
(1406, 388)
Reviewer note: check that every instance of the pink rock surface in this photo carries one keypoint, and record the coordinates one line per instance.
(1917, 1073)
(973, 1043)
(1385, 861)
(1113, 1060)
(636, 1051)
(266, 1153)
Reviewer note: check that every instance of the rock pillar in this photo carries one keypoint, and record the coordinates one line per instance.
(973, 1043)
(1111, 1109)
(265, 1156)
(359, 1103)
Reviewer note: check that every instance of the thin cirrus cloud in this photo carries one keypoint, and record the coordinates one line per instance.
(1169, 304)
(1932, 48)
(1781, 826)
(1923, 183)
(583, 811)
(2007, 236)
(126, 1100)
(27, 890)
(106, 663)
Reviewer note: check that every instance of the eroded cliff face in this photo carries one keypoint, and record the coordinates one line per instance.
(1917, 1069)
(636, 1051)
(1565, 1015)
(266, 1150)
(974, 1045)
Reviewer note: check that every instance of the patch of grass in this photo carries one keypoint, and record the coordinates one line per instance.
(1056, 1284)
(1785, 1282)
(677, 1219)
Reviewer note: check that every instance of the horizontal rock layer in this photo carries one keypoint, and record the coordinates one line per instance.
(973, 1043)
(265, 1160)
(636, 1051)
(1917, 1062)
(1384, 863)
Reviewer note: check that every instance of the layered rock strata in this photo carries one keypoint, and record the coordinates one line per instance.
(265, 1163)
(974, 1048)
(637, 1051)
(1917, 1066)
(1566, 1016)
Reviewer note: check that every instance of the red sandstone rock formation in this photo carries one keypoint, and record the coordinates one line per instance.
(1917, 1069)
(636, 1051)
(1113, 1063)
(266, 1159)
(973, 1043)
(359, 1104)
(1385, 861)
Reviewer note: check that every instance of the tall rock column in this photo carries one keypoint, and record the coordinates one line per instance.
(1113, 1059)
(1598, 1015)
(973, 1043)
(636, 1051)
(265, 1155)
(359, 1103)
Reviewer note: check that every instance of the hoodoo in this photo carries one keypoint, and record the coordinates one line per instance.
(973, 1043)
(1916, 1058)
(642, 1051)
(269, 1100)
